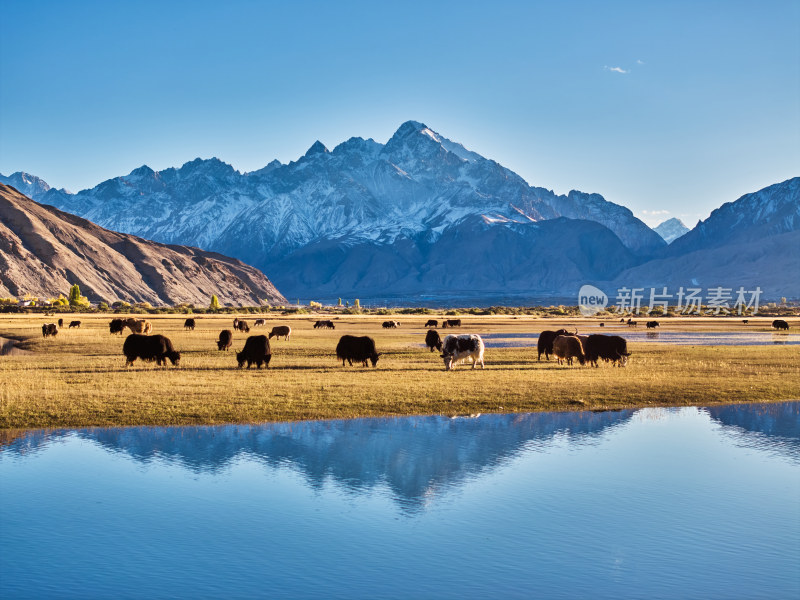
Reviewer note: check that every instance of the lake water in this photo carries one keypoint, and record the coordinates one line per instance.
(681, 338)
(654, 503)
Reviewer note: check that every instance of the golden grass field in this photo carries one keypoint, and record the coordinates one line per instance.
(79, 378)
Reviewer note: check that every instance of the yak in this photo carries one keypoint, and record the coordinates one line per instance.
(432, 323)
(149, 347)
(189, 324)
(607, 347)
(391, 324)
(567, 347)
(74, 324)
(432, 340)
(545, 343)
(324, 325)
(116, 326)
(225, 339)
(780, 324)
(651, 324)
(353, 348)
(280, 331)
(49, 329)
(256, 351)
(460, 347)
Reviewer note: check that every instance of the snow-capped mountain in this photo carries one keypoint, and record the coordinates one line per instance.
(671, 229)
(362, 192)
(30, 185)
(369, 219)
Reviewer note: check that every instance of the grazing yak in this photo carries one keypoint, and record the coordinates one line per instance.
(456, 348)
(259, 323)
(361, 349)
(49, 329)
(780, 324)
(324, 325)
(225, 339)
(74, 324)
(432, 323)
(651, 324)
(608, 347)
(135, 325)
(116, 326)
(451, 323)
(545, 342)
(189, 324)
(391, 324)
(242, 325)
(256, 351)
(567, 347)
(280, 331)
(631, 323)
(745, 321)
(149, 347)
(602, 324)
(60, 323)
(432, 340)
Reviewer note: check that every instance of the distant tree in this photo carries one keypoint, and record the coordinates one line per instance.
(74, 294)
(214, 302)
(357, 303)
(75, 298)
(340, 302)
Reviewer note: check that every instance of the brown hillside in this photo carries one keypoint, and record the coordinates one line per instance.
(43, 251)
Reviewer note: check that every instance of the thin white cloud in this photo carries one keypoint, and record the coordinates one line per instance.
(655, 212)
(616, 69)
(639, 62)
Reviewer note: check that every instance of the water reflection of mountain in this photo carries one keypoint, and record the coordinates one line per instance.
(774, 427)
(414, 456)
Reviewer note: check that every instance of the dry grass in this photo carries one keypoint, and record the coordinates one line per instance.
(79, 378)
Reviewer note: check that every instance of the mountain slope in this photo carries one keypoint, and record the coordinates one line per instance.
(751, 242)
(471, 257)
(770, 211)
(45, 251)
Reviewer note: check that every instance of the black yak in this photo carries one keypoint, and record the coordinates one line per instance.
(225, 339)
(432, 340)
(256, 350)
(359, 349)
(149, 347)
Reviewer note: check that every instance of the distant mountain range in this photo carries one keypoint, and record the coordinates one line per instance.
(671, 230)
(419, 217)
(43, 251)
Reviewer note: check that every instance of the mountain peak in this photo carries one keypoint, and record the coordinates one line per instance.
(671, 229)
(409, 128)
(317, 148)
(208, 166)
(143, 171)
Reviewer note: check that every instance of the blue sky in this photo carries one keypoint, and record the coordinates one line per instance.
(671, 108)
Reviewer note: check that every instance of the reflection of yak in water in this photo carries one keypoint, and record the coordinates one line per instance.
(414, 456)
